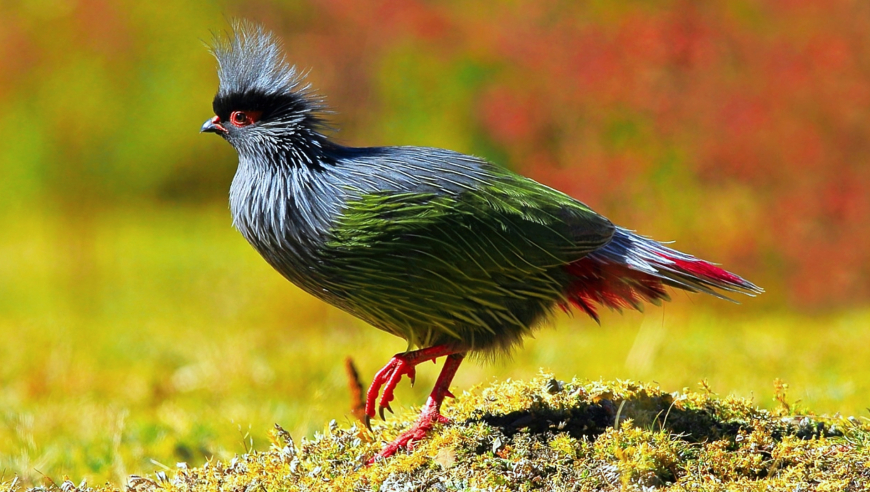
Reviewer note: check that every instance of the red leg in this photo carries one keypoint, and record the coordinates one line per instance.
(431, 413)
(391, 374)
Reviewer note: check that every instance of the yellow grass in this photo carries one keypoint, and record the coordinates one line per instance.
(147, 336)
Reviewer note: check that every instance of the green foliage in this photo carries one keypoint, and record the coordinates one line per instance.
(103, 112)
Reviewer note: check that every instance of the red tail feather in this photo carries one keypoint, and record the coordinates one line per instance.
(612, 285)
(701, 268)
(631, 269)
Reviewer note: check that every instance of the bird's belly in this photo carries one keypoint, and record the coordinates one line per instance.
(430, 300)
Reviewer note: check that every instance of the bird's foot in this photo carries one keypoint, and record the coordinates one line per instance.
(431, 413)
(430, 416)
(389, 377)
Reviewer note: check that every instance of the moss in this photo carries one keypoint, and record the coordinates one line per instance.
(545, 434)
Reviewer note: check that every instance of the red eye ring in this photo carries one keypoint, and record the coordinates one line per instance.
(244, 118)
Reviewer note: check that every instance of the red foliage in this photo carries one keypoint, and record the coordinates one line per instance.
(772, 98)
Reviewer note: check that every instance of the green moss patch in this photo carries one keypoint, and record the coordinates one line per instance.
(546, 434)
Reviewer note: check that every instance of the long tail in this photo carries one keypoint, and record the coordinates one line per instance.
(634, 269)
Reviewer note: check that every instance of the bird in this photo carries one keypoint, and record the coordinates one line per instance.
(457, 255)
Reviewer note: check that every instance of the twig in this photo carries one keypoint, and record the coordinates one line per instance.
(355, 386)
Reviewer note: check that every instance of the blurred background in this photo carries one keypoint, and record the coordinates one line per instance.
(138, 329)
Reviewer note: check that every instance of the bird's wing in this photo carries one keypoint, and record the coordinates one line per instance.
(468, 258)
(400, 188)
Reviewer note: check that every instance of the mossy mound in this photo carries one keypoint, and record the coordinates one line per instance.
(545, 434)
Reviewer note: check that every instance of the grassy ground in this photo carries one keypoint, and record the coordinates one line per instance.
(141, 338)
(553, 435)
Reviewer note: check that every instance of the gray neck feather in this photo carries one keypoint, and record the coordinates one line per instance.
(283, 211)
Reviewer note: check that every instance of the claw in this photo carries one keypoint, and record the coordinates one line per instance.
(390, 375)
(385, 406)
(368, 423)
(429, 415)
(381, 410)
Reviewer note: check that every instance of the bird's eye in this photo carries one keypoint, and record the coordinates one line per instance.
(244, 118)
(239, 118)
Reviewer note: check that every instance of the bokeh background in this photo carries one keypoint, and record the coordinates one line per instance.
(137, 329)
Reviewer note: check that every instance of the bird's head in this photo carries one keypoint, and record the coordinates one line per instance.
(262, 107)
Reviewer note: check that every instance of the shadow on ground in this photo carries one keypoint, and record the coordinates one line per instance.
(656, 412)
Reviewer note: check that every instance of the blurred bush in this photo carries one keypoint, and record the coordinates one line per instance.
(738, 128)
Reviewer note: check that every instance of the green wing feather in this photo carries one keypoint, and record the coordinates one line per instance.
(477, 268)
